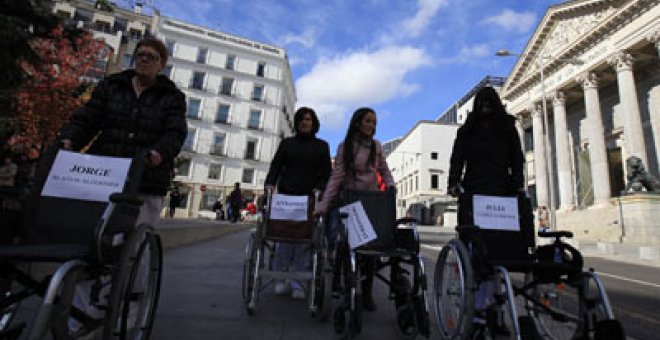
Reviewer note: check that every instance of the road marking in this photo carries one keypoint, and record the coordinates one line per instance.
(428, 246)
(655, 285)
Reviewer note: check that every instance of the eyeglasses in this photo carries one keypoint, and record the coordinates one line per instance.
(147, 56)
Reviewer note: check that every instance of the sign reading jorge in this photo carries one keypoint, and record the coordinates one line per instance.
(86, 177)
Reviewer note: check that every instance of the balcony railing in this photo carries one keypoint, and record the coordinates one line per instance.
(217, 150)
(222, 121)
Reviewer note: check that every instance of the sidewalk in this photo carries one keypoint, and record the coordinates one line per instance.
(645, 255)
(175, 232)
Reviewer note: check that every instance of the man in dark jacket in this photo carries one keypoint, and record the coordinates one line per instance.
(235, 202)
(133, 110)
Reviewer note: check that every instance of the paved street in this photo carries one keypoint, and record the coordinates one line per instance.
(201, 299)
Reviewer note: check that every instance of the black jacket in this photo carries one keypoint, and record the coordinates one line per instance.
(126, 124)
(492, 159)
(301, 164)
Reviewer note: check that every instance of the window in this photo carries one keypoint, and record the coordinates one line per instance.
(257, 92)
(416, 183)
(218, 147)
(197, 81)
(261, 68)
(209, 197)
(529, 139)
(184, 168)
(193, 108)
(126, 60)
(135, 34)
(230, 63)
(251, 149)
(170, 47)
(435, 184)
(222, 115)
(434, 155)
(184, 192)
(103, 26)
(202, 52)
(214, 171)
(225, 87)
(248, 176)
(189, 144)
(255, 118)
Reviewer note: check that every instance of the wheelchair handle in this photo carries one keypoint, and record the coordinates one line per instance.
(556, 234)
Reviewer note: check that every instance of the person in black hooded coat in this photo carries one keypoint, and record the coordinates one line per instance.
(301, 165)
(488, 148)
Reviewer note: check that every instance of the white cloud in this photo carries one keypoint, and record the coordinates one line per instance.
(336, 86)
(425, 12)
(475, 51)
(513, 21)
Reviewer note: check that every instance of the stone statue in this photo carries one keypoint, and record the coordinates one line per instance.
(638, 178)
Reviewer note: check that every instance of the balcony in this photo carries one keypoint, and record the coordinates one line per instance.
(250, 157)
(217, 150)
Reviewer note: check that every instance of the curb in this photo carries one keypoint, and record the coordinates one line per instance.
(177, 236)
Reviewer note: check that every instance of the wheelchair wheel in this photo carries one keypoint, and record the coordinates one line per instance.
(249, 274)
(562, 299)
(406, 322)
(320, 299)
(135, 287)
(453, 293)
(67, 324)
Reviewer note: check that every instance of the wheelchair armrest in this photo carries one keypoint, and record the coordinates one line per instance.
(556, 234)
(118, 197)
(406, 220)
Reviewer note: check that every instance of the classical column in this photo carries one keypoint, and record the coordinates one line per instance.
(563, 153)
(654, 38)
(654, 101)
(600, 173)
(632, 120)
(540, 169)
(521, 132)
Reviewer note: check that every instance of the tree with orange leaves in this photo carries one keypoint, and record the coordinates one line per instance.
(52, 92)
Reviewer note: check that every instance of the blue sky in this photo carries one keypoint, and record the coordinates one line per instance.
(407, 59)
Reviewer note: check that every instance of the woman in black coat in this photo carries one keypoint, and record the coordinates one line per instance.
(301, 166)
(488, 147)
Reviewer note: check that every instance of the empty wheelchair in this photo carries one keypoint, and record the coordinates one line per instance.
(395, 248)
(99, 273)
(475, 292)
(273, 228)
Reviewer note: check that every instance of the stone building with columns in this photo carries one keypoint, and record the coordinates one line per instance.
(592, 68)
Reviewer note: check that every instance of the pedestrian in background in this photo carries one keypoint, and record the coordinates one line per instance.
(358, 164)
(543, 217)
(300, 167)
(175, 200)
(217, 208)
(235, 202)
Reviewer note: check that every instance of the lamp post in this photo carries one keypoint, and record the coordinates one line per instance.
(540, 58)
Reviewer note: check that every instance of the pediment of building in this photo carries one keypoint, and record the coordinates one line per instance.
(563, 27)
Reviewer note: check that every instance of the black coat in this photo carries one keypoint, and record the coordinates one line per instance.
(301, 164)
(126, 124)
(492, 159)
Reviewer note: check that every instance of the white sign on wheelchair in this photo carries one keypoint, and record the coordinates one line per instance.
(288, 208)
(495, 212)
(359, 228)
(86, 177)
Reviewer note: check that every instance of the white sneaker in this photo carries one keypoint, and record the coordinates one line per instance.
(281, 288)
(298, 294)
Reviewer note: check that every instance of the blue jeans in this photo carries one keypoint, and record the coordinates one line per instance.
(292, 257)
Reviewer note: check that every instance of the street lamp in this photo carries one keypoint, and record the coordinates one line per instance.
(546, 134)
